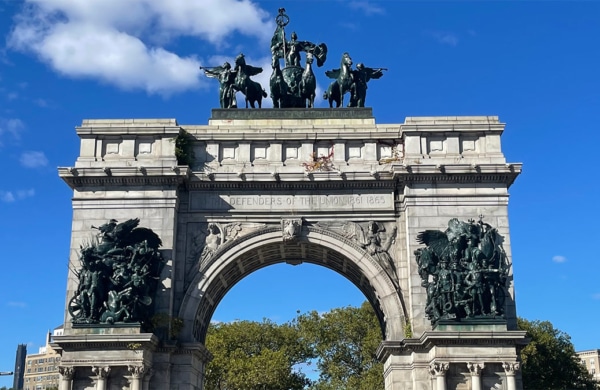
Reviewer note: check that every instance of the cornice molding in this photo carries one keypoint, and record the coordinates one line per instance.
(430, 339)
(396, 175)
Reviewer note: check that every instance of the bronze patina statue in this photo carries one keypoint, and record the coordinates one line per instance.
(252, 90)
(464, 270)
(293, 86)
(360, 77)
(118, 275)
(226, 77)
(342, 83)
(238, 79)
(350, 80)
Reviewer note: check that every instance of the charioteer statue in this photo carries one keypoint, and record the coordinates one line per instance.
(293, 86)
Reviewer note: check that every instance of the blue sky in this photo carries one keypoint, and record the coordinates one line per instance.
(534, 64)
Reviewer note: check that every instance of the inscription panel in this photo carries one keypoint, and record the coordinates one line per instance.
(285, 202)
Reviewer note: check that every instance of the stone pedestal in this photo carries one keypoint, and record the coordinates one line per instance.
(478, 352)
(97, 355)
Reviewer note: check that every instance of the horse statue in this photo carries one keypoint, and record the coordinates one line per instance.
(279, 89)
(252, 90)
(295, 89)
(342, 83)
(308, 83)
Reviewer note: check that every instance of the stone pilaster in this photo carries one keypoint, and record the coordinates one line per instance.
(511, 368)
(438, 370)
(475, 370)
(137, 374)
(100, 376)
(66, 374)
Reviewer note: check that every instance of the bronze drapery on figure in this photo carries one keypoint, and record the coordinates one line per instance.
(292, 86)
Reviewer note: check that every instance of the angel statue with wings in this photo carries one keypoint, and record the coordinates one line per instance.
(360, 77)
(375, 241)
(226, 76)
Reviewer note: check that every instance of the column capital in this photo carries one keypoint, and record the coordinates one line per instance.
(67, 372)
(511, 367)
(475, 368)
(439, 368)
(101, 372)
(137, 372)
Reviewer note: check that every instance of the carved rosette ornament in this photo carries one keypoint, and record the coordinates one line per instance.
(118, 276)
(464, 270)
(291, 229)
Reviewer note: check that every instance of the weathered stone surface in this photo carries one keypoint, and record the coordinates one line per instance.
(332, 172)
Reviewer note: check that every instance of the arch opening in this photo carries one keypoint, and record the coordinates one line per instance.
(335, 253)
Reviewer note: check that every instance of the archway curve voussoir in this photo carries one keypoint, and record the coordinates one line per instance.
(233, 262)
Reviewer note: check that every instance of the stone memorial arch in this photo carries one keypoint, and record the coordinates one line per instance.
(184, 212)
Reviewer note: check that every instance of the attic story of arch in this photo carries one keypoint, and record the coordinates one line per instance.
(292, 86)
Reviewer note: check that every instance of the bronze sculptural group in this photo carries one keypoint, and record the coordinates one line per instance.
(293, 86)
(464, 271)
(118, 275)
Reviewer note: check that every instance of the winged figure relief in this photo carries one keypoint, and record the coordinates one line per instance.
(374, 240)
(206, 241)
(464, 270)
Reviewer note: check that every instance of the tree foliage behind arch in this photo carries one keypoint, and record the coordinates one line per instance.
(267, 356)
(549, 360)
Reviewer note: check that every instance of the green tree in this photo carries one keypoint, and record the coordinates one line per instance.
(344, 341)
(255, 356)
(549, 360)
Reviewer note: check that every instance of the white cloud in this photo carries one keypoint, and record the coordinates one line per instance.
(13, 196)
(559, 259)
(11, 126)
(446, 38)
(366, 7)
(17, 304)
(7, 196)
(22, 194)
(42, 103)
(109, 40)
(33, 159)
(596, 296)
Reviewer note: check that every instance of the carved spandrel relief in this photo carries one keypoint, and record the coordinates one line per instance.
(208, 238)
(373, 237)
